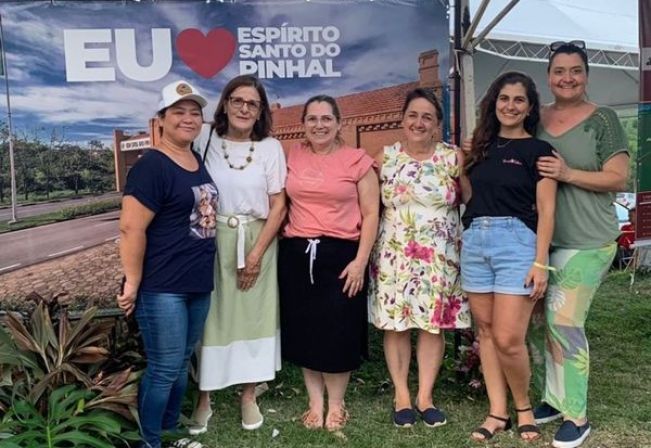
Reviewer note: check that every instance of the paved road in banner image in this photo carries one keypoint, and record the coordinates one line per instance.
(25, 211)
(24, 247)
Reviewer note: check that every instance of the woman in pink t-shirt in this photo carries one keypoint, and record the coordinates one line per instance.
(333, 217)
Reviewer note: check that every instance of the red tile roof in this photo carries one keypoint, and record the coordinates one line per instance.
(387, 99)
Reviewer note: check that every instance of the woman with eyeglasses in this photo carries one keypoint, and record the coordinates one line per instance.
(241, 341)
(333, 216)
(590, 165)
(414, 282)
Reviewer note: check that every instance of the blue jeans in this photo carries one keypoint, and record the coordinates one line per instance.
(171, 325)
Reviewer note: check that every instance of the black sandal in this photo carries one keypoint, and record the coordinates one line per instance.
(528, 428)
(489, 435)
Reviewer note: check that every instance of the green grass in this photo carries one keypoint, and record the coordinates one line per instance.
(35, 198)
(62, 215)
(619, 330)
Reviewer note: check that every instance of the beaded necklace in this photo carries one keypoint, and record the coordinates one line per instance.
(249, 158)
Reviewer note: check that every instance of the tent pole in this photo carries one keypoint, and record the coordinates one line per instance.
(474, 42)
(459, 7)
(475, 22)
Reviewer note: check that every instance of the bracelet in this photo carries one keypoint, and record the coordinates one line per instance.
(544, 266)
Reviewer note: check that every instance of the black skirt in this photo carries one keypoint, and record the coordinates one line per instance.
(322, 329)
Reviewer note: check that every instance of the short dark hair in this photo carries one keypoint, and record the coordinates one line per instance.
(323, 99)
(488, 126)
(426, 94)
(569, 48)
(335, 111)
(262, 127)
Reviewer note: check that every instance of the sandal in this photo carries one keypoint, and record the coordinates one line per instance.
(337, 419)
(528, 428)
(311, 420)
(487, 435)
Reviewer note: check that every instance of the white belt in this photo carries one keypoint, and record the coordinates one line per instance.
(311, 248)
(238, 221)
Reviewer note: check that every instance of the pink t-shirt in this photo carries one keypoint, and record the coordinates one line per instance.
(322, 191)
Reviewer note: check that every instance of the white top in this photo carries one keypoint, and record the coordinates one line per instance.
(244, 192)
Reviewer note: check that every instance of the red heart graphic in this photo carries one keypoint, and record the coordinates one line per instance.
(206, 55)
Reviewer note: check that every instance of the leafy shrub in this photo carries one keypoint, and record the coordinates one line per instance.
(90, 209)
(69, 421)
(48, 357)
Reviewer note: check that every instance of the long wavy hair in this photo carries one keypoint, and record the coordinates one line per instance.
(262, 126)
(488, 128)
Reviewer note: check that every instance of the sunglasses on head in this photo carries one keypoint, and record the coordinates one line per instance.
(580, 44)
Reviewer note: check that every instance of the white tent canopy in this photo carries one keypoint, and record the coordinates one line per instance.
(519, 42)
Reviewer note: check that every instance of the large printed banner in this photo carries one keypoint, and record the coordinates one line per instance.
(643, 230)
(93, 66)
(85, 78)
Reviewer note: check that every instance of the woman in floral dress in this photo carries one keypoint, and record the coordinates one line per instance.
(415, 263)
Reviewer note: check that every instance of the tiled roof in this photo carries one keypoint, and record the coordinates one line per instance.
(387, 99)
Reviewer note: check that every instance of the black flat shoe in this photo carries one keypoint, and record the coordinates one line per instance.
(489, 435)
(432, 417)
(404, 418)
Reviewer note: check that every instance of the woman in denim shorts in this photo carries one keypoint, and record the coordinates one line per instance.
(508, 223)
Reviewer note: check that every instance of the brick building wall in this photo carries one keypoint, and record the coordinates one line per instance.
(371, 119)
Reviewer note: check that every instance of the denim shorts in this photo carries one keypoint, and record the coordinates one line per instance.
(496, 256)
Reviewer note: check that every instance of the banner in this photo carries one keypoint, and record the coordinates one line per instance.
(643, 209)
(86, 77)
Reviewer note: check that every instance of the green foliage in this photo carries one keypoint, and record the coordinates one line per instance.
(69, 421)
(630, 124)
(45, 167)
(62, 215)
(60, 386)
(90, 209)
(38, 355)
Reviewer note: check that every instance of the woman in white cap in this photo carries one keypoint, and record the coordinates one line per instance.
(167, 247)
(241, 342)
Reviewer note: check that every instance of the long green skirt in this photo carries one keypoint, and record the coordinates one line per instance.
(241, 342)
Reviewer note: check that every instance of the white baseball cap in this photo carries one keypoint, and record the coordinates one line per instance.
(178, 91)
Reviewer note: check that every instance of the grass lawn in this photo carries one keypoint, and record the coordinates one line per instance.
(34, 198)
(64, 214)
(619, 330)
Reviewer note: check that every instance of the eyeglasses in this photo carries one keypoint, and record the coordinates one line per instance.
(580, 44)
(238, 103)
(326, 120)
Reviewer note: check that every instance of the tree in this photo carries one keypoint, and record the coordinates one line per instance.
(630, 128)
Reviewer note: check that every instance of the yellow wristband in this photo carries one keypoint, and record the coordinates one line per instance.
(544, 266)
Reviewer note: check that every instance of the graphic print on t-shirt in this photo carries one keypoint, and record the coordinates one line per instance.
(203, 218)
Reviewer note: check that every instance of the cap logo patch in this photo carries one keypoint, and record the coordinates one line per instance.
(183, 89)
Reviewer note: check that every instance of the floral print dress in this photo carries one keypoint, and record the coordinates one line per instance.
(414, 281)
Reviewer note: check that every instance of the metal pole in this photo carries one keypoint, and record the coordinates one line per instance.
(475, 22)
(458, 6)
(491, 25)
(12, 168)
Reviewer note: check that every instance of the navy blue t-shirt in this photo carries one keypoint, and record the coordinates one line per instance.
(180, 251)
(504, 183)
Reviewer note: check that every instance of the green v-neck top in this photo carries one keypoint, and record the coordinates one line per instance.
(586, 219)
